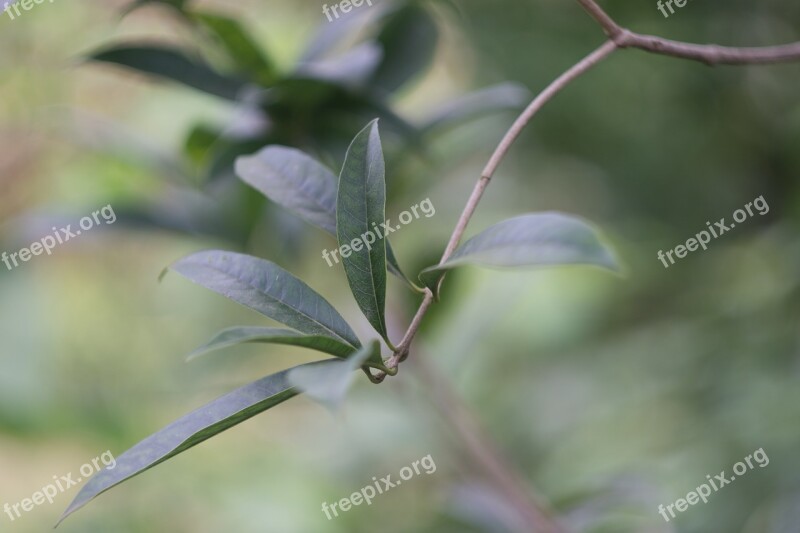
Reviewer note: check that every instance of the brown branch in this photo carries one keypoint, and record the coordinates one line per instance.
(611, 28)
(484, 455)
(710, 54)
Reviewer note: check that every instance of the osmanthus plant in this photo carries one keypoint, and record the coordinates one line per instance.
(347, 207)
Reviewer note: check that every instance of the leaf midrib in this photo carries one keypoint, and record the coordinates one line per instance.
(366, 222)
(251, 285)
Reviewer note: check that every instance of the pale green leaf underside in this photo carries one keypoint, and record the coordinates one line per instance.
(327, 382)
(542, 239)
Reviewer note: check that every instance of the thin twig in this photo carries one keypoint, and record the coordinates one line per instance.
(710, 54)
(480, 187)
(484, 454)
(611, 28)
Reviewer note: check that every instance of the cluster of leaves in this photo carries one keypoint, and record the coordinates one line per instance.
(337, 84)
(347, 208)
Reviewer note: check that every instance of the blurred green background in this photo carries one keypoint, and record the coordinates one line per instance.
(610, 395)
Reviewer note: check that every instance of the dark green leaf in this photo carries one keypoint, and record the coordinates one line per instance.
(328, 381)
(543, 239)
(360, 209)
(223, 156)
(173, 64)
(409, 41)
(267, 288)
(199, 143)
(299, 183)
(202, 424)
(239, 46)
(241, 335)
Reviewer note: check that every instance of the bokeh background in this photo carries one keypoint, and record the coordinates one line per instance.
(610, 395)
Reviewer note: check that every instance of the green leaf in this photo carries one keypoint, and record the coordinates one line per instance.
(301, 184)
(173, 64)
(542, 239)
(199, 143)
(242, 335)
(507, 96)
(330, 35)
(327, 382)
(222, 158)
(267, 288)
(239, 46)
(202, 424)
(409, 40)
(294, 180)
(352, 69)
(361, 207)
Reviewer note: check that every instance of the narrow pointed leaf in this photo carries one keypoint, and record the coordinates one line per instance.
(543, 239)
(507, 96)
(351, 69)
(243, 335)
(361, 207)
(202, 424)
(409, 40)
(331, 34)
(172, 64)
(239, 46)
(301, 184)
(269, 289)
(327, 382)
